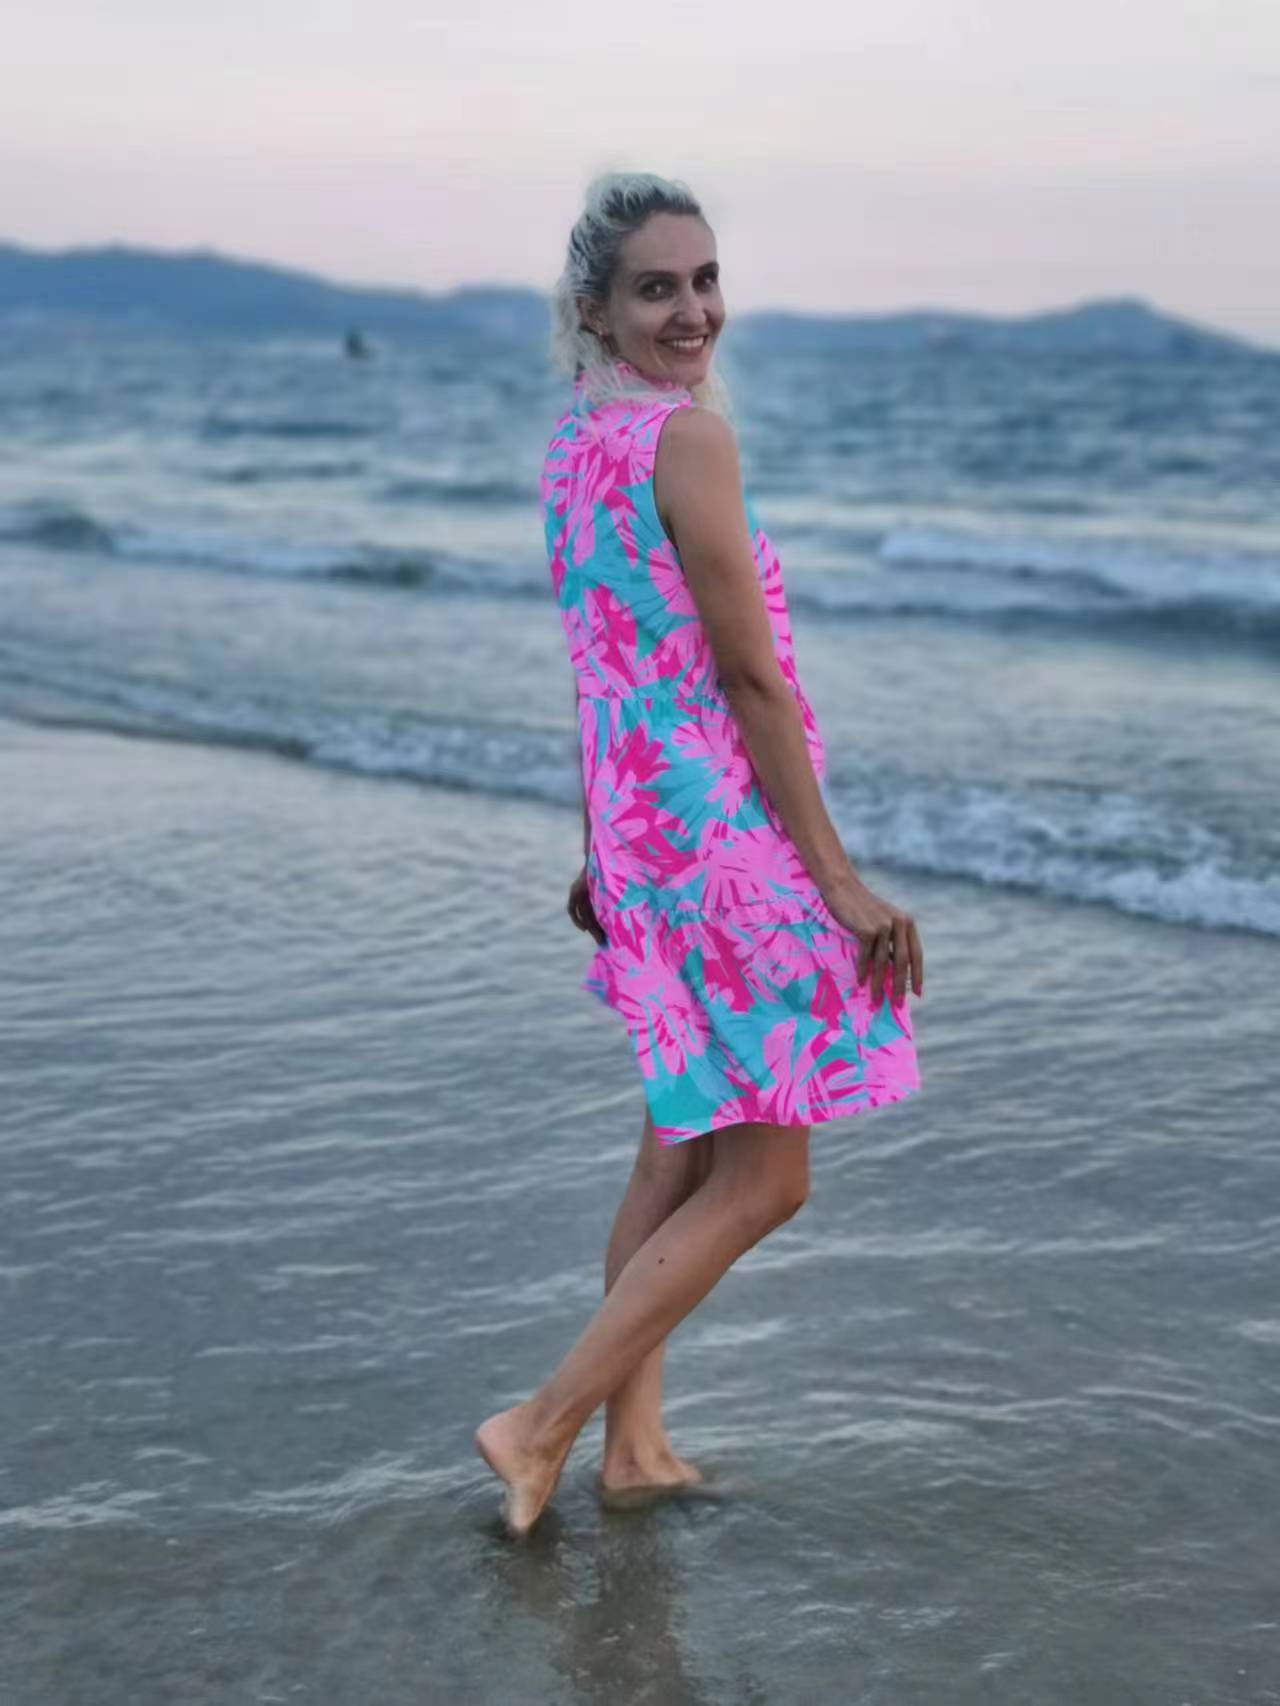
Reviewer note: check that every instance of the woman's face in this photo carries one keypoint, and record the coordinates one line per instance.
(665, 310)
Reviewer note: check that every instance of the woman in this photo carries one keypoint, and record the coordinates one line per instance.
(734, 937)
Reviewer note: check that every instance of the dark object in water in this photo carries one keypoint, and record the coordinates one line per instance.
(354, 344)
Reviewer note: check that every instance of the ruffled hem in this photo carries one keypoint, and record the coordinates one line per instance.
(753, 1013)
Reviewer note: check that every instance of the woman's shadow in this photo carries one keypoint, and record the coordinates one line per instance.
(612, 1600)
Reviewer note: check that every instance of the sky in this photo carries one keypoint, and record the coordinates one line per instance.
(992, 155)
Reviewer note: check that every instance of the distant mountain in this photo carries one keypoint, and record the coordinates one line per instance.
(1114, 325)
(201, 290)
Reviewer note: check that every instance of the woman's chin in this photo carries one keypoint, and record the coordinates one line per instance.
(684, 370)
(687, 372)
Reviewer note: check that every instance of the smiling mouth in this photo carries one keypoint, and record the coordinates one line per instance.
(687, 346)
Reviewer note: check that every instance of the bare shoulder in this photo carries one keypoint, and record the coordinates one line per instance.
(697, 432)
(696, 463)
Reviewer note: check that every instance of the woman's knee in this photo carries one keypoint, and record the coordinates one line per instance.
(670, 1172)
(765, 1208)
(768, 1173)
(786, 1197)
(790, 1201)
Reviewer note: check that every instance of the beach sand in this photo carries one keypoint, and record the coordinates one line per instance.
(312, 1144)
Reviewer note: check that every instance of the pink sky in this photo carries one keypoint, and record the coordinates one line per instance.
(1001, 155)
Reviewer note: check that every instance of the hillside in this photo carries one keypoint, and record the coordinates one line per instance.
(201, 290)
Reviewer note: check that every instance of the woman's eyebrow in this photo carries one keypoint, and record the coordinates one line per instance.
(654, 272)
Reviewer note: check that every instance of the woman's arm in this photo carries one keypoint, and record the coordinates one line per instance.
(700, 484)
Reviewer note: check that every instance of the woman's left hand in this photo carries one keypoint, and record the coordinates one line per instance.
(581, 910)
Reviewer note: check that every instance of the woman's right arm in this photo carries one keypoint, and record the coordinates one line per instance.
(698, 483)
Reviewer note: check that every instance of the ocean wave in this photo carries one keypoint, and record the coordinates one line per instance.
(478, 755)
(57, 527)
(869, 598)
(275, 473)
(1146, 574)
(1069, 841)
(453, 489)
(64, 528)
(914, 572)
(279, 426)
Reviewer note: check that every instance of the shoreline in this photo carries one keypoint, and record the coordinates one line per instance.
(314, 1143)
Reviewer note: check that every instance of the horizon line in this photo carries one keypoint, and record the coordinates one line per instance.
(208, 251)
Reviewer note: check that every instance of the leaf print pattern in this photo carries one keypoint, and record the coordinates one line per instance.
(737, 987)
(714, 741)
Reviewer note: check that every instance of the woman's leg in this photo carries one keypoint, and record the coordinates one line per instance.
(760, 1178)
(637, 1452)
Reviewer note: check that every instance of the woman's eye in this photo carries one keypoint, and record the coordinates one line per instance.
(708, 281)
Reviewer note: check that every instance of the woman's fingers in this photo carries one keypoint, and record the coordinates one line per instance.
(582, 912)
(901, 958)
(917, 958)
(576, 897)
(894, 939)
(894, 950)
(865, 945)
(872, 954)
(879, 965)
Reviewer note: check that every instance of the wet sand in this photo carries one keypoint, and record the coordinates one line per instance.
(311, 1149)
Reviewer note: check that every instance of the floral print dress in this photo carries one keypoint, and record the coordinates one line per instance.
(737, 986)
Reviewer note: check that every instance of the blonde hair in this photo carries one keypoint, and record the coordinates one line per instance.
(616, 204)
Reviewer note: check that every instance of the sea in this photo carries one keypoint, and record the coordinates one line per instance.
(311, 1141)
(1041, 597)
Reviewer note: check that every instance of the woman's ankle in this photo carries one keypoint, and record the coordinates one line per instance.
(548, 1427)
(634, 1451)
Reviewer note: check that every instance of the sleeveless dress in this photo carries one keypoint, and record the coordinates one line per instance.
(737, 986)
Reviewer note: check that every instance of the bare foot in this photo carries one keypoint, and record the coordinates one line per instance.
(529, 1469)
(629, 1475)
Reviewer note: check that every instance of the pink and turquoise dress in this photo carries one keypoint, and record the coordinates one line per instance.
(737, 987)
